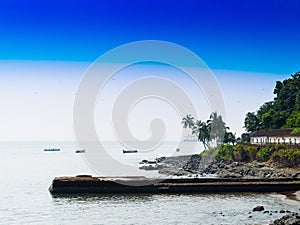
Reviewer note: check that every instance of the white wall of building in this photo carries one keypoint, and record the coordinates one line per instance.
(276, 140)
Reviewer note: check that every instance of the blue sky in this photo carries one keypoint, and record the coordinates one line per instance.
(260, 36)
(46, 46)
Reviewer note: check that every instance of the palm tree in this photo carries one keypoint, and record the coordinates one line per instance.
(188, 121)
(217, 127)
(230, 138)
(202, 131)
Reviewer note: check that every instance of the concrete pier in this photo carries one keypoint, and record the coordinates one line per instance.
(101, 185)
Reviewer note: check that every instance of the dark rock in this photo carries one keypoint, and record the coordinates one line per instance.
(84, 175)
(173, 171)
(193, 163)
(251, 173)
(289, 219)
(144, 161)
(160, 159)
(258, 208)
(223, 168)
(149, 167)
(282, 211)
(266, 212)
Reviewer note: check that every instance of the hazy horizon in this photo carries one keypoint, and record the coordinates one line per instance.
(40, 104)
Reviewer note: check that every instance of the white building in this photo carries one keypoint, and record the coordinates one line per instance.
(279, 136)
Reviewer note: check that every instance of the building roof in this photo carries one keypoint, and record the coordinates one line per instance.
(274, 133)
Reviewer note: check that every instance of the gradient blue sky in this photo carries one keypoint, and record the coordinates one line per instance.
(259, 36)
(46, 46)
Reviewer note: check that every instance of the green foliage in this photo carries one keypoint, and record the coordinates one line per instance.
(266, 107)
(225, 151)
(273, 119)
(251, 122)
(284, 155)
(188, 121)
(293, 120)
(202, 130)
(213, 129)
(229, 137)
(212, 152)
(297, 104)
(252, 152)
(240, 154)
(278, 87)
(245, 137)
(264, 154)
(296, 131)
(287, 157)
(282, 112)
(217, 127)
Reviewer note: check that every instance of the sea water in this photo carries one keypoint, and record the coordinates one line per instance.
(27, 171)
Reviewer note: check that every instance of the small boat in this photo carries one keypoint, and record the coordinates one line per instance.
(51, 149)
(129, 151)
(190, 138)
(145, 161)
(80, 151)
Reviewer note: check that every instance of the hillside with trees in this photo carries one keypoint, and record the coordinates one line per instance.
(282, 112)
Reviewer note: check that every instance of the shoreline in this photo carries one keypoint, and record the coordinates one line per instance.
(295, 195)
(197, 165)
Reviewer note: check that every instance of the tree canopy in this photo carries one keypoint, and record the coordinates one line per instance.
(282, 112)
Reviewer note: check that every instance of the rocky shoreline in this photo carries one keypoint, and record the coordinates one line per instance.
(290, 218)
(196, 165)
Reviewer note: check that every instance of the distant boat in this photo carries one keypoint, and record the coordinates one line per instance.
(51, 149)
(190, 138)
(129, 151)
(80, 151)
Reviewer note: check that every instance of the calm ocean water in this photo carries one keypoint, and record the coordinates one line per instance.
(27, 171)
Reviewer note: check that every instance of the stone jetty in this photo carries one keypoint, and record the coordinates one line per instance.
(102, 185)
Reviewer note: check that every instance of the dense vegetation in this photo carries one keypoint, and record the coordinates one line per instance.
(281, 154)
(282, 112)
(214, 129)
